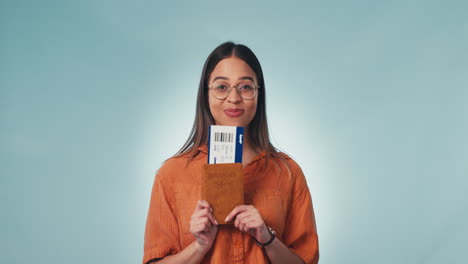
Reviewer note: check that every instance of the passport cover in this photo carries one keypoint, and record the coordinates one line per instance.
(223, 188)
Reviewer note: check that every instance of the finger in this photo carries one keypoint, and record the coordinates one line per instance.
(252, 213)
(200, 228)
(205, 238)
(241, 226)
(202, 204)
(200, 213)
(250, 224)
(240, 218)
(199, 225)
(245, 227)
(196, 217)
(212, 219)
(197, 230)
(250, 217)
(238, 209)
(237, 221)
(244, 215)
(208, 226)
(205, 213)
(204, 220)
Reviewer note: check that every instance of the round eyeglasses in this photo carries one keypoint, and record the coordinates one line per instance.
(246, 90)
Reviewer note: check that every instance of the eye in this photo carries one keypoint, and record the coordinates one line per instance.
(246, 86)
(221, 87)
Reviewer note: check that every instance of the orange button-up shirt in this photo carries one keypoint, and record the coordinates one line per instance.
(282, 198)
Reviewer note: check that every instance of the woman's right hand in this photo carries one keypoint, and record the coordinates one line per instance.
(203, 225)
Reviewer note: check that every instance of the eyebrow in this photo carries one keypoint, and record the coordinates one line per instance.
(241, 78)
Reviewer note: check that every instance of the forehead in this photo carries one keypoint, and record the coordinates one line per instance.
(232, 69)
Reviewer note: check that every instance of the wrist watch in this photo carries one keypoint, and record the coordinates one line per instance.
(273, 235)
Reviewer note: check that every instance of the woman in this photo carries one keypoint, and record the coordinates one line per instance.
(277, 223)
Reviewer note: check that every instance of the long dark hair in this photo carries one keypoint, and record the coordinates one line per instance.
(258, 135)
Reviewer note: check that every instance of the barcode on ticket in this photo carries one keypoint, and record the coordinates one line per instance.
(223, 137)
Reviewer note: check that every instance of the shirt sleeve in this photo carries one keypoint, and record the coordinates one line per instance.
(161, 233)
(300, 233)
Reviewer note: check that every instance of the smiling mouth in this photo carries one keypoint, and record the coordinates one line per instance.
(233, 112)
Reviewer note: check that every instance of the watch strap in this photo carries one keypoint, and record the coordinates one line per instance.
(273, 235)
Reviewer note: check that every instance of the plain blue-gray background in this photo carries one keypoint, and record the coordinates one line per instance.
(369, 97)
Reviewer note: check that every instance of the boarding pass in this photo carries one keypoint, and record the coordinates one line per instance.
(225, 144)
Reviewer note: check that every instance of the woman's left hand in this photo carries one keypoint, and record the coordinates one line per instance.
(249, 220)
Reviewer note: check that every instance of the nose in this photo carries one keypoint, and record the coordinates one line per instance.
(234, 96)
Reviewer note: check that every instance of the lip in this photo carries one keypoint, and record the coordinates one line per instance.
(233, 112)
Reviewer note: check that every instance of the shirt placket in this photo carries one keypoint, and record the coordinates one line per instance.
(237, 247)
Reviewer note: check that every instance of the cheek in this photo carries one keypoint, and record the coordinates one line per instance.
(253, 108)
(214, 106)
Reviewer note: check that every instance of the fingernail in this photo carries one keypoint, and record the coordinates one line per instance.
(227, 218)
(216, 221)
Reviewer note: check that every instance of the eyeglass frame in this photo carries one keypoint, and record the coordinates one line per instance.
(256, 87)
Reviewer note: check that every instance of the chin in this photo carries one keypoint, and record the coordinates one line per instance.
(237, 124)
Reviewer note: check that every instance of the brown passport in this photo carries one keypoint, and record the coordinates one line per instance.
(223, 188)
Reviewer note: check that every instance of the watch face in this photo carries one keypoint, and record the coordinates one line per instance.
(273, 235)
(272, 231)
